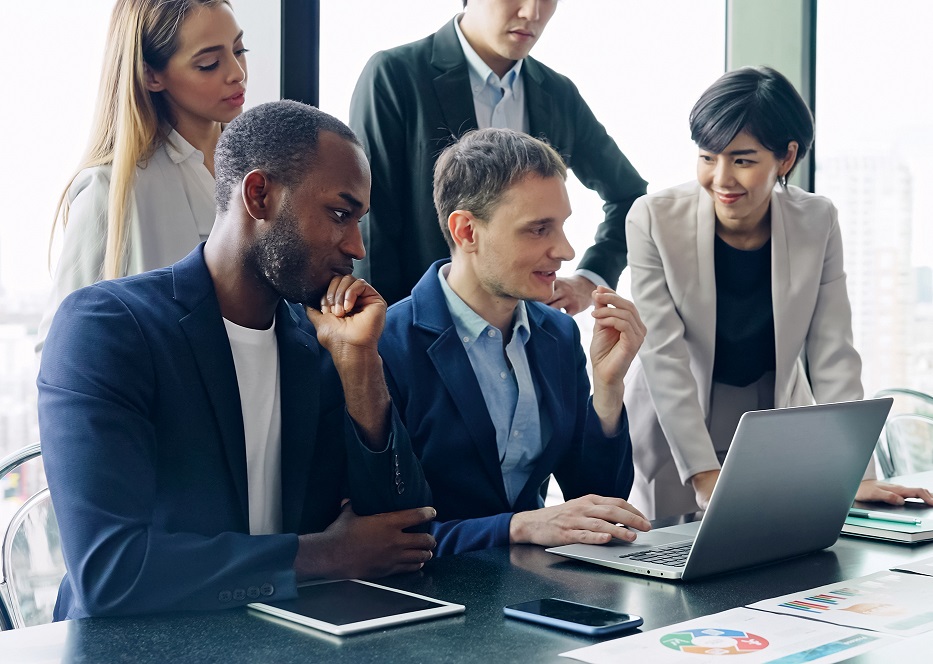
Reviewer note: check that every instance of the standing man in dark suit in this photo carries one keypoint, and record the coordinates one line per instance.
(414, 100)
(492, 384)
(200, 428)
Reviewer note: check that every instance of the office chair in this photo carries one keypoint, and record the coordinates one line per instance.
(906, 442)
(31, 562)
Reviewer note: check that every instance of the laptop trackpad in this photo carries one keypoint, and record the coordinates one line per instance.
(647, 541)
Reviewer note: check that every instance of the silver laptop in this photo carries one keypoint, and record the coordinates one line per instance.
(785, 489)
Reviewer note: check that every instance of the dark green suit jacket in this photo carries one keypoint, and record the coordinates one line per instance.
(413, 101)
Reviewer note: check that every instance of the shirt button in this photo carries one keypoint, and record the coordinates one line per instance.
(466, 340)
(239, 594)
(491, 333)
(252, 592)
(503, 375)
(225, 596)
(266, 589)
(516, 434)
(400, 488)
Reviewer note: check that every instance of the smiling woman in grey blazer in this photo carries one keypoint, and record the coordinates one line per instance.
(739, 278)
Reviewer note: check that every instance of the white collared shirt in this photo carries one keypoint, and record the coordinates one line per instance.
(170, 210)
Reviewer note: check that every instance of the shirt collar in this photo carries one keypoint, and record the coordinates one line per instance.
(178, 149)
(479, 70)
(470, 324)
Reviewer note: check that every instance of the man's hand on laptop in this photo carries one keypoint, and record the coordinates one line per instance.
(894, 494)
(586, 520)
(703, 484)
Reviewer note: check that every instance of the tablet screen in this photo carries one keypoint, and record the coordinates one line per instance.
(345, 602)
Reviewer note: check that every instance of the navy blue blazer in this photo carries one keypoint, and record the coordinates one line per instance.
(143, 444)
(438, 398)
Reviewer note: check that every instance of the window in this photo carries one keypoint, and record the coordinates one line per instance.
(874, 123)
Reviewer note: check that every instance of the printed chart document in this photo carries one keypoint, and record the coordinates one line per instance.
(758, 636)
(888, 602)
(924, 567)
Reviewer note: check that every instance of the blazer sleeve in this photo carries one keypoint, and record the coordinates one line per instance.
(601, 166)
(594, 463)
(384, 481)
(100, 450)
(463, 535)
(834, 366)
(457, 535)
(377, 117)
(84, 242)
(664, 354)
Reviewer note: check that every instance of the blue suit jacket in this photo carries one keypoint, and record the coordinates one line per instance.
(438, 398)
(143, 444)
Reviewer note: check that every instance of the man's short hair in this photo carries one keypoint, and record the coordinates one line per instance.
(279, 138)
(474, 173)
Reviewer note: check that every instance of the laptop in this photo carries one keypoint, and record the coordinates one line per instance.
(785, 489)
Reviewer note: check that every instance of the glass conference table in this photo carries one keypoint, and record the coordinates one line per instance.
(484, 581)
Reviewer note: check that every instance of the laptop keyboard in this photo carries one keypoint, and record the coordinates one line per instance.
(675, 556)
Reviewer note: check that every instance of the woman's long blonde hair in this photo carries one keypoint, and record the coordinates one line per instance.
(129, 121)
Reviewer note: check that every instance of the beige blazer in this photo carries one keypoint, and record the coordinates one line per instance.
(670, 251)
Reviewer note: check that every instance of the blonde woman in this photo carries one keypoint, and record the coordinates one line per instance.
(143, 197)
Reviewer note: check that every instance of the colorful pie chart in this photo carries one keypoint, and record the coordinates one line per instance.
(712, 641)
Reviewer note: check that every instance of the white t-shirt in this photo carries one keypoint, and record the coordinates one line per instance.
(256, 358)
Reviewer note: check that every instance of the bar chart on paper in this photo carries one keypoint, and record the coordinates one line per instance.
(889, 602)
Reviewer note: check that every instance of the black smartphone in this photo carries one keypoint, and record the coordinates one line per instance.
(572, 616)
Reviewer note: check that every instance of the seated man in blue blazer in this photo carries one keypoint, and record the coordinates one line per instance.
(201, 429)
(490, 382)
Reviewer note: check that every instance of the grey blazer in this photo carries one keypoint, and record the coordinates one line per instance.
(670, 252)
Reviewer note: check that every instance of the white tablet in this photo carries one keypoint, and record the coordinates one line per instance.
(351, 606)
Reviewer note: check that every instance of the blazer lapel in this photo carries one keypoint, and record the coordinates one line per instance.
(300, 384)
(541, 111)
(781, 295)
(203, 326)
(452, 85)
(704, 295)
(453, 366)
(546, 357)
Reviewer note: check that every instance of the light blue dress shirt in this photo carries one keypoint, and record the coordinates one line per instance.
(509, 393)
(498, 102)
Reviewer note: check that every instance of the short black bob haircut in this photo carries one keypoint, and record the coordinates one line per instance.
(759, 100)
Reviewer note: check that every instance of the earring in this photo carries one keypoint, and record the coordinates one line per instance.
(783, 180)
